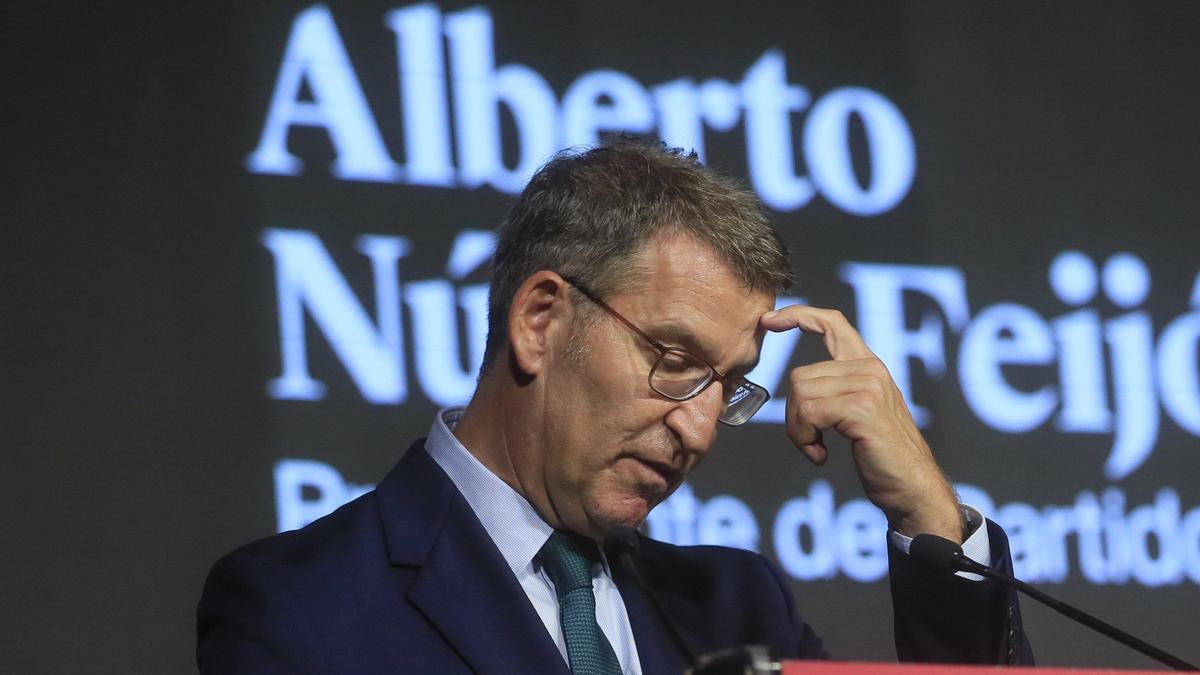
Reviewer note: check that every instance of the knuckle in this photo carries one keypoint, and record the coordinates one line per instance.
(876, 386)
(865, 401)
(834, 318)
(804, 409)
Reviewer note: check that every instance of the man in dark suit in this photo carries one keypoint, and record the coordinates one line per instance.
(630, 295)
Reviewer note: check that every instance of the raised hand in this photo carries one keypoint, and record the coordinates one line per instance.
(854, 394)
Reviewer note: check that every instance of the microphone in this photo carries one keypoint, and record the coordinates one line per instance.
(621, 543)
(941, 555)
(945, 557)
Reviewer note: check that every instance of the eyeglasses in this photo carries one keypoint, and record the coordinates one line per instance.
(680, 376)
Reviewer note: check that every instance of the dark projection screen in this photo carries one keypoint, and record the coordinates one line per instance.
(247, 257)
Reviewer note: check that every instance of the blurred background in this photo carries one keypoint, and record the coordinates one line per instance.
(245, 257)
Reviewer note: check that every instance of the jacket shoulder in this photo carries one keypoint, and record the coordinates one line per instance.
(337, 533)
(262, 604)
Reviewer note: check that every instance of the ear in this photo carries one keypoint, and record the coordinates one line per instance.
(539, 320)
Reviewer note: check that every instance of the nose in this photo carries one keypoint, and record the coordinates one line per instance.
(694, 421)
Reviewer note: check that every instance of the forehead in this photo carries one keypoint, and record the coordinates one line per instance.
(687, 296)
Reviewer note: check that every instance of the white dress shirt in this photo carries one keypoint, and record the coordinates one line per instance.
(519, 532)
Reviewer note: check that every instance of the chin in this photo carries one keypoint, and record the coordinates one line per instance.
(631, 512)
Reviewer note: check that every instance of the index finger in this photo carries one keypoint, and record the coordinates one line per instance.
(841, 339)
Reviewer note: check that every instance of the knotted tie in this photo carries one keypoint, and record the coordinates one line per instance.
(568, 561)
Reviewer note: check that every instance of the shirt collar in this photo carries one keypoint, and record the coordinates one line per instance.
(510, 520)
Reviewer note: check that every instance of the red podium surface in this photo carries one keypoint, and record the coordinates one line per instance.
(826, 668)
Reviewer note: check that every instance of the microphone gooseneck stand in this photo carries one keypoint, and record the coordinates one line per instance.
(623, 542)
(621, 545)
(946, 557)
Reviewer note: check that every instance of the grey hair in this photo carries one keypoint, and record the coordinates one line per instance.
(586, 214)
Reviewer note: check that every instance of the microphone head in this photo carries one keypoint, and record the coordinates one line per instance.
(936, 553)
(621, 541)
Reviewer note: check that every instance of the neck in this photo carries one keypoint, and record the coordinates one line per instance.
(491, 429)
(502, 427)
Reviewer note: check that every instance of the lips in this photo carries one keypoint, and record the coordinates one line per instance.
(664, 470)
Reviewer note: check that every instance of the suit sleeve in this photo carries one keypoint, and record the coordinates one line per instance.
(949, 619)
(244, 623)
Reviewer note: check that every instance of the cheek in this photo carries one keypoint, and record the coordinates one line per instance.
(599, 408)
(614, 368)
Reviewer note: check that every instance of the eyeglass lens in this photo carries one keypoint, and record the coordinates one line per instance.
(680, 375)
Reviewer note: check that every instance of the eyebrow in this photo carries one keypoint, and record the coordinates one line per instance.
(670, 332)
(674, 334)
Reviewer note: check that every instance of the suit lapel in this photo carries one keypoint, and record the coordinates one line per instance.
(463, 586)
(656, 650)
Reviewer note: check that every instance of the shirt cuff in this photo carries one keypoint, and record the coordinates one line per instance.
(977, 547)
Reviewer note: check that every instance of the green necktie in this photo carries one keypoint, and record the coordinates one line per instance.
(568, 559)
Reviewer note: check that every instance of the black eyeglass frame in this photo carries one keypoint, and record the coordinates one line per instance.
(713, 374)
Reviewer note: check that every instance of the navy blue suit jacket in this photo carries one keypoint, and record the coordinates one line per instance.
(406, 579)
